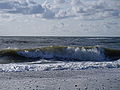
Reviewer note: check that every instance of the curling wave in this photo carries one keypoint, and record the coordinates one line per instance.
(62, 53)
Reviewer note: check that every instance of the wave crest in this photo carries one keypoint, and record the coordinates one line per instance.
(62, 53)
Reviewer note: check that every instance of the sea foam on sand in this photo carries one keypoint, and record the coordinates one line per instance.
(52, 66)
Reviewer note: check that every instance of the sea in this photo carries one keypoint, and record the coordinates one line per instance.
(46, 53)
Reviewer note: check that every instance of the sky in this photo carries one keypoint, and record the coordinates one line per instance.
(60, 18)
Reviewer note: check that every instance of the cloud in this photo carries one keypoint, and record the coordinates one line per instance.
(59, 1)
(20, 7)
(97, 9)
(48, 14)
(60, 14)
(61, 9)
(76, 2)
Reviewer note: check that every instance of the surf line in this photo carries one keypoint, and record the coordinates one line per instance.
(64, 53)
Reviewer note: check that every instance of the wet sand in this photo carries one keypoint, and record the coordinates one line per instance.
(90, 79)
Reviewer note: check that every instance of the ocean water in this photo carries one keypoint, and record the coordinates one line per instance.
(58, 53)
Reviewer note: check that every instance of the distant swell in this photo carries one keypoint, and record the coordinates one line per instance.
(59, 53)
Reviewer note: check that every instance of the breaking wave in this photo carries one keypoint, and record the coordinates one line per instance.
(59, 53)
(58, 66)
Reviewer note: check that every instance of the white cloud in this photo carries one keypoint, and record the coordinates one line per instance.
(20, 7)
(48, 14)
(60, 14)
(97, 9)
(59, 1)
(58, 9)
(76, 2)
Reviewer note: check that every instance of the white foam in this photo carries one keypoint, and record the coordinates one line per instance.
(57, 66)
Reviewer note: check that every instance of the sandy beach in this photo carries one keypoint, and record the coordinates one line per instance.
(90, 79)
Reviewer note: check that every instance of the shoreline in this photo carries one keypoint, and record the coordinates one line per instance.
(89, 79)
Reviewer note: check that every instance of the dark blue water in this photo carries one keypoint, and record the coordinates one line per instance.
(33, 42)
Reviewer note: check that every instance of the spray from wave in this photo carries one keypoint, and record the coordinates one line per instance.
(59, 53)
